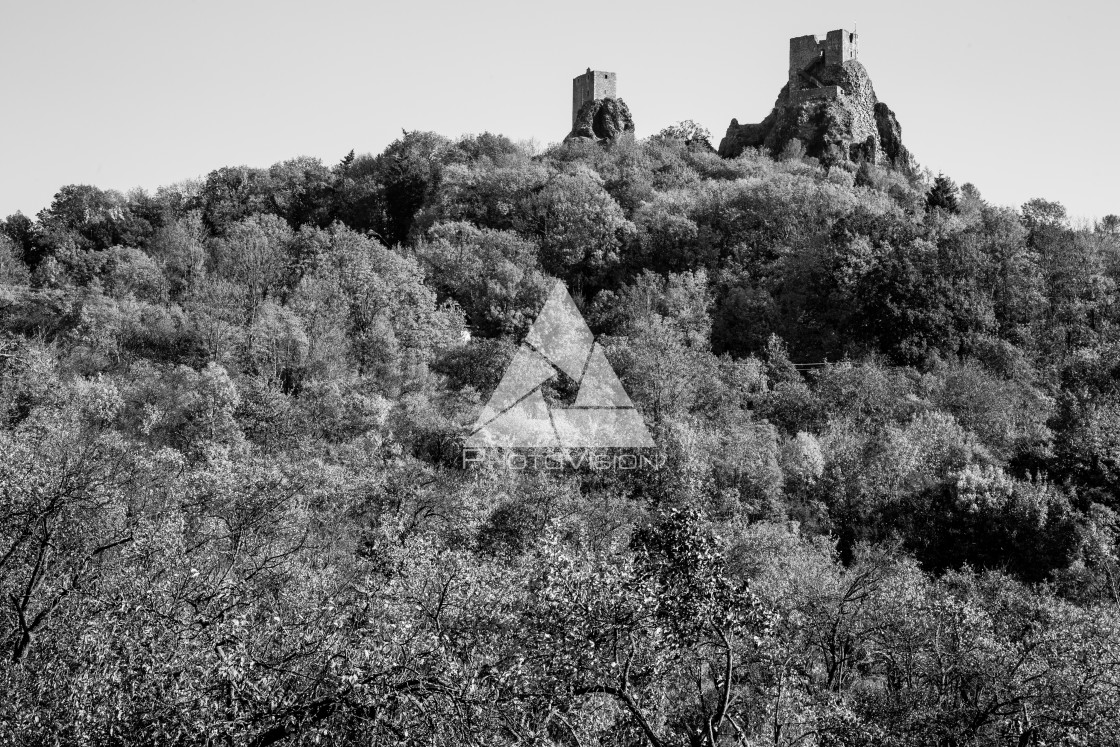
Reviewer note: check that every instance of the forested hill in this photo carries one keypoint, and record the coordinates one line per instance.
(233, 508)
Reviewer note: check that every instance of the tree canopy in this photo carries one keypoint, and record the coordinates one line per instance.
(233, 508)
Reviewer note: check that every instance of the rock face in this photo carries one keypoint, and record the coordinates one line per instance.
(835, 114)
(602, 119)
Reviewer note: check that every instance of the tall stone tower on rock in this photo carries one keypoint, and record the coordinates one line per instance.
(828, 104)
(597, 112)
(594, 84)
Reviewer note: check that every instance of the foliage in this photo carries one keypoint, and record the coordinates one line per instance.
(944, 195)
(233, 506)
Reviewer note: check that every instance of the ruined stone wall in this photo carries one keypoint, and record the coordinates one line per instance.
(594, 84)
(827, 93)
(837, 48)
(803, 52)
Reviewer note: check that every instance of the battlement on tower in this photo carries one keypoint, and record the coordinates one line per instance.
(807, 52)
(594, 84)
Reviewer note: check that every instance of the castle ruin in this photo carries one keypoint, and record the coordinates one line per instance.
(828, 105)
(807, 54)
(592, 85)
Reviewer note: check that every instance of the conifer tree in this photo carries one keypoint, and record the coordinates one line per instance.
(944, 195)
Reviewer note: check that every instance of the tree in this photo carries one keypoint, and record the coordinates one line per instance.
(923, 300)
(668, 240)
(494, 276)
(62, 511)
(277, 345)
(192, 411)
(301, 191)
(253, 253)
(12, 270)
(794, 150)
(409, 172)
(580, 228)
(346, 161)
(688, 133)
(93, 219)
(179, 247)
(667, 635)
(944, 195)
(394, 323)
(21, 231)
(1039, 214)
(231, 194)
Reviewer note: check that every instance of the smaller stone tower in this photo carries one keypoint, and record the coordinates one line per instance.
(594, 84)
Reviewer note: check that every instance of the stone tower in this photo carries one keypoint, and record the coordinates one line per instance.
(594, 84)
(805, 52)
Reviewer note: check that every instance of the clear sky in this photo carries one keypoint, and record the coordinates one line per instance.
(1021, 98)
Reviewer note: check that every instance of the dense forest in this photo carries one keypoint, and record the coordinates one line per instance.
(233, 509)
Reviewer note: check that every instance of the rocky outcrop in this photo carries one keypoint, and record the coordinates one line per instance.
(835, 115)
(890, 136)
(602, 119)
